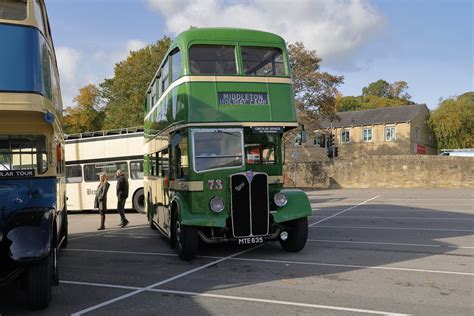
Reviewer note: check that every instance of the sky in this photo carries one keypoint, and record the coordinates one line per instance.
(427, 43)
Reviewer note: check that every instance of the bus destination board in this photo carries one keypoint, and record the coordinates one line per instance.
(242, 98)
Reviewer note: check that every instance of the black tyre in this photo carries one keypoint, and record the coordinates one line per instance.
(139, 201)
(39, 278)
(150, 222)
(149, 214)
(297, 235)
(186, 240)
(64, 230)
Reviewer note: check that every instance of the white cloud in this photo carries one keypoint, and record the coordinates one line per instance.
(122, 53)
(334, 28)
(76, 71)
(68, 63)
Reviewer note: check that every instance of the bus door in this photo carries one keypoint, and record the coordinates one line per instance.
(75, 193)
(162, 189)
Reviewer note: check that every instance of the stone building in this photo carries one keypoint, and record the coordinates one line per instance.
(398, 130)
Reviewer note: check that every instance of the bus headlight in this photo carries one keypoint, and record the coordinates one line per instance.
(280, 199)
(216, 204)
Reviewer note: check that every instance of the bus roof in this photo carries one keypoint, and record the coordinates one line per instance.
(226, 34)
(112, 132)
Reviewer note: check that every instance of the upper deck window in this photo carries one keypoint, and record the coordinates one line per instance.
(164, 77)
(40, 17)
(176, 66)
(13, 9)
(263, 61)
(212, 59)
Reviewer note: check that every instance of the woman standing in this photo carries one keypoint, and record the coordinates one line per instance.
(100, 201)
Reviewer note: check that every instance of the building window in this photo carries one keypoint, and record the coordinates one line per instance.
(390, 133)
(345, 136)
(367, 133)
(417, 133)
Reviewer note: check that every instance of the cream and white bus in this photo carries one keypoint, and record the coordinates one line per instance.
(89, 154)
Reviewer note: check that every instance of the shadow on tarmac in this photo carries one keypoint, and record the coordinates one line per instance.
(12, 300)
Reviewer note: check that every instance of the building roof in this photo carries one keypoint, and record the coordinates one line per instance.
(389, 115)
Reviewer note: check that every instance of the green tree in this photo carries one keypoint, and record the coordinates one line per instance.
(315, 90)
(88, 114)
(453, 122)
(378, 94)
(124, 94)
(378, 88)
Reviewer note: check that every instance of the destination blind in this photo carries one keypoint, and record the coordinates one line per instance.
(242, 98)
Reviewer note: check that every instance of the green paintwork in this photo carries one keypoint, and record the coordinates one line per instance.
(298, 206)
(196, 102)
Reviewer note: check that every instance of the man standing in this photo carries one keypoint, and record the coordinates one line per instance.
(122, 195)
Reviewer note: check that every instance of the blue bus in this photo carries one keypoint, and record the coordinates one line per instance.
(33, 216)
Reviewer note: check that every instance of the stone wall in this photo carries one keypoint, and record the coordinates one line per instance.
(400, 171)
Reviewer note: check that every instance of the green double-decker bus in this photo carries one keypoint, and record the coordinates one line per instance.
(215, 114)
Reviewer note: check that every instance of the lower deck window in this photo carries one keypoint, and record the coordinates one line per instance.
(74, 174)
(23, 152)
(92, 171)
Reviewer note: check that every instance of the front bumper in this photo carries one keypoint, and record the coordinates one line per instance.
(25, 237)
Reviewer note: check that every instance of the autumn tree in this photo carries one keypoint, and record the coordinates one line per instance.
(124, 94)
(453, 122)
(87, 115)
(315, 90)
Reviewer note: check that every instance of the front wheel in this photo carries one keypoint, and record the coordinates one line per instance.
(186, 240)
(297, 235)
(39, 281)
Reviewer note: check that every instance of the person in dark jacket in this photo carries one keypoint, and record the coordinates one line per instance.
(100, 201)
(122, 195)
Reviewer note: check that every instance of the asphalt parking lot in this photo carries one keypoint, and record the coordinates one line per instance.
(369, 252)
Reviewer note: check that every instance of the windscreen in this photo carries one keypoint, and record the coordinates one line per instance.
(215, 149)
(263, 61)
(23, 152)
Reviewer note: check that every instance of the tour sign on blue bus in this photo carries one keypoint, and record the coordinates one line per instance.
(17, 173)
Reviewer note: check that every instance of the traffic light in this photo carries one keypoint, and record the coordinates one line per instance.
(331, 140)
(336, 152)
(329, 152)
(322, 141)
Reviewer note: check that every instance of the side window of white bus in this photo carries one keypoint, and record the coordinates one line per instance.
(74, 174)
(136, 169)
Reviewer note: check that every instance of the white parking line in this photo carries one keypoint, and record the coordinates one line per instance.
(122, 252)
(107, 231)
(138, 291)
(286, 262)
(401, 209)
(395, 228)
(401, 217)
(388, 243)
(353, 266)
(347, 209)
(372, 243)
(236, 298)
